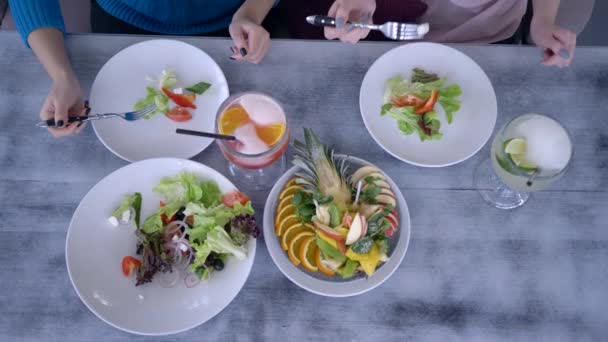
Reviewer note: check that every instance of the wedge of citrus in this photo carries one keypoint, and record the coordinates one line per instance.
(284, 202)
(233, 118)
(285, 212)
(289, 191)
(271, 134)
(286, 223)
(291, 182)
(322, 268)
(295, 242)
(308, 250)
(290, 232)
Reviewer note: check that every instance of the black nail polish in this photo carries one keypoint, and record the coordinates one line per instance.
(234, 59)
(243, 52)
(88, 111)
(86, 103)
(60, 123)
(79, 124)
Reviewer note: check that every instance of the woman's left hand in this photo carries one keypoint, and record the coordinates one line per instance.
(251, 40)
(559, 43)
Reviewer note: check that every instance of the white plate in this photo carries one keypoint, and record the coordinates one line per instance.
(336, 286)
(121, 82)
(472, 125)
(94, 251)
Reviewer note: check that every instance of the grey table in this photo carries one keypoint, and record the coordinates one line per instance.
(472, 272)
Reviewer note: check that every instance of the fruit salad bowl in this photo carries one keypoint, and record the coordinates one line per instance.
(323, 244)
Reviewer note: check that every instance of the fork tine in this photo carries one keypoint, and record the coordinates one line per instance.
(142, 112)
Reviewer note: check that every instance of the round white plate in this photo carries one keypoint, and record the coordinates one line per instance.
(336, 286)
(472, 125)
(121, 82)
(94, 251)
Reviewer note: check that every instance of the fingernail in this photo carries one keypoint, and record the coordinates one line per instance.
(60, 123)
(86, 103)
(349, 27)
(243, 52)
(365, 18)
(234, 59)
(79, 124)
(232, 49)
(339, 22)
(564, 54)
(88, 110)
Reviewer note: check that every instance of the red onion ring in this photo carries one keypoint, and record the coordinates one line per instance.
(191, 280)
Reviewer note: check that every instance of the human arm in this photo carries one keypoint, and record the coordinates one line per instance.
(559, 43)
(251, 40)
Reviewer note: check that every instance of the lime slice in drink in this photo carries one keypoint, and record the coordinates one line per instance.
(516, 150)
(515, 146)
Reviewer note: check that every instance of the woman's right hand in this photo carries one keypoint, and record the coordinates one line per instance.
(64, 100)
(350, 10)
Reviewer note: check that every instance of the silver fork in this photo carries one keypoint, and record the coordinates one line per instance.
(392, 30)
(128, 116)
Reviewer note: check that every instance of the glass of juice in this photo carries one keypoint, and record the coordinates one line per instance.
(257, 156)
(528, 154)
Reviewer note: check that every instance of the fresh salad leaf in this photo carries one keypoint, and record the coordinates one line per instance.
(153, 224)
(181, 189)
(147, 100)
(130, 203)
(349, 268)
(305, 206)
(421, 86)
(382, 243)
(168, 79)
(199, 88)
(211, 194)
(162, 103)
(241, 227)
(220, 242)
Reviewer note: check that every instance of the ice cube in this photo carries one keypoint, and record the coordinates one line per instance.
(548, 144)
(262, 110)
(250, 143)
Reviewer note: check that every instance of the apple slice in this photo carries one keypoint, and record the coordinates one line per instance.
(328, 231)
(364, 222)
(386, 199)
(362, 172)
(392, 219)
(379, 183)
(367, 210)
(356, 228)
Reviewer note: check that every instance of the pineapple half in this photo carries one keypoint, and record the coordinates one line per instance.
(321, 171)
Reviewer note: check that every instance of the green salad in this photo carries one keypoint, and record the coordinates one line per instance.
(412, 103)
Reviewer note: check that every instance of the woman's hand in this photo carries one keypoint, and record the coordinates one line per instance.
(64, 100)
(350, 10)
(559, 43)
(251, 40)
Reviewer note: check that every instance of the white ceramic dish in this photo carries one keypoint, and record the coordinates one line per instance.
(94, 250)
(336, 286)
(121, 82)
(472, 125)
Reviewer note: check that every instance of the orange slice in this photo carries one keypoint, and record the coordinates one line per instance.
(287, 222)
(291, 231)
(286, 211)
(271, 134)
(308, 250)
(233, 118)
(322, 268)
(284, 202)
(294, 245)
(289, 191)
(291, 182)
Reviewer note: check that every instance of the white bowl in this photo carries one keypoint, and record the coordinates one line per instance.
(472, 125)
(336, 286)
(94, 250)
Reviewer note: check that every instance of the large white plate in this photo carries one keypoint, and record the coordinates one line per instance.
(472, 125)
(336, 286)
(121, 83)
(94, 251)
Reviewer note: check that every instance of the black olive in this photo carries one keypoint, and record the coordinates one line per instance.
(218, 264)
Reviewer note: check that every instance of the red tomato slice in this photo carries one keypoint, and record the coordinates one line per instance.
(230, 198)
(164, 217)
(190, 220)
(179, 114)
(129, 264)
(190, 97)
(179, 99)
(429, 104)
(407, 101)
